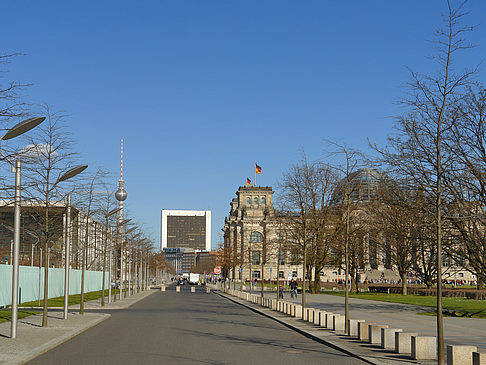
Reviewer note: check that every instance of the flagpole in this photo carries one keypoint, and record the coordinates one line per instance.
(255, 175)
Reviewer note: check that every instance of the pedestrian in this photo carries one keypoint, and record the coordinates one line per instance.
(293, 288)
(280, 292)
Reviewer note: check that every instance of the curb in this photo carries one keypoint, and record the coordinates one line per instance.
(304, 332)
(55, 342)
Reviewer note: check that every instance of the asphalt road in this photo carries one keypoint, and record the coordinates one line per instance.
(191, 328)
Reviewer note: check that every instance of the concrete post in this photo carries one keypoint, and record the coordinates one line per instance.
(424, 348)
(329, 320)
(310, 315)
(162, 288)
(298, 311)
(403, 342)
(208, 290)
(178, 289)
(353, 326)
(193, 289)
(388, 337)
(322, 318)
(460, 355)
(363, 331)
(374, 333)
(479, 358)
(338, 323)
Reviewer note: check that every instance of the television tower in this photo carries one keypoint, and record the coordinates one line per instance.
(121, 195)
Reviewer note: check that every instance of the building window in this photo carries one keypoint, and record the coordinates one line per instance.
(255, 274)
(294, 274)
(281, 275)
(256, 237)
(255, 257)
(263, 200)
(248, 201)
(255, 200)
(282, 258)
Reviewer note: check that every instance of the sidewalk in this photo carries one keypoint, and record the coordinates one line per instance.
(457, 331)
(33, 340)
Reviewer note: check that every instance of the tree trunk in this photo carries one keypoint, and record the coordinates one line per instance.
(317, 281)
(404, 283)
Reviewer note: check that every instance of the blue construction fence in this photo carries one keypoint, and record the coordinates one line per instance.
(31, 283)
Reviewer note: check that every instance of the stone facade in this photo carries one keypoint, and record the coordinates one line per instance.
(251, 234)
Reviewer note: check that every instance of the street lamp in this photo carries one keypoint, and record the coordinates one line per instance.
(67, 259)
(15, 131)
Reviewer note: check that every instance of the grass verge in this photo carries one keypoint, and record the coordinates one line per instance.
(73, 299)
(6, 315)
(453, 307)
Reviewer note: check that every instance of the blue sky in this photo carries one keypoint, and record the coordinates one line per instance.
(200, 90)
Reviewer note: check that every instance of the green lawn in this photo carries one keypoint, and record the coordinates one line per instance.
(6, 315)
(73, 299)
(453, 307)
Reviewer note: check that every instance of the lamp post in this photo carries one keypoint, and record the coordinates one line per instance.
(15, 131)
(67, 254)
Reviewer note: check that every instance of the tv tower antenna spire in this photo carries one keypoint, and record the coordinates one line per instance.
(121, 160)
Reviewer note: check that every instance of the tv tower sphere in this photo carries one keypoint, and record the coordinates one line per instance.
(121, 193)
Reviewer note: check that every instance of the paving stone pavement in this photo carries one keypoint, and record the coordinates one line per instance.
(33, 339)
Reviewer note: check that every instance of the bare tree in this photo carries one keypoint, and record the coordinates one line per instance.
(343, 195)
(418, 149)
(90, 200)
(47, 155)
(467, 184)
(300, 197)
(322, 227)
(107, 211)
(11, 103)
(394, 215)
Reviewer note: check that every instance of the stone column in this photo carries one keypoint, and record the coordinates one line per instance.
(232, 247)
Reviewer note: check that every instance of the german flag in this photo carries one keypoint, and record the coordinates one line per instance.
(258, 169)
(248, 182)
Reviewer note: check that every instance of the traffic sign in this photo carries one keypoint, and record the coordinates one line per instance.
(217, 270)
(240, 269)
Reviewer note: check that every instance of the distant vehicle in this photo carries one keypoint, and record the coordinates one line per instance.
(194, 279)
(181, 281)
(185, 276)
